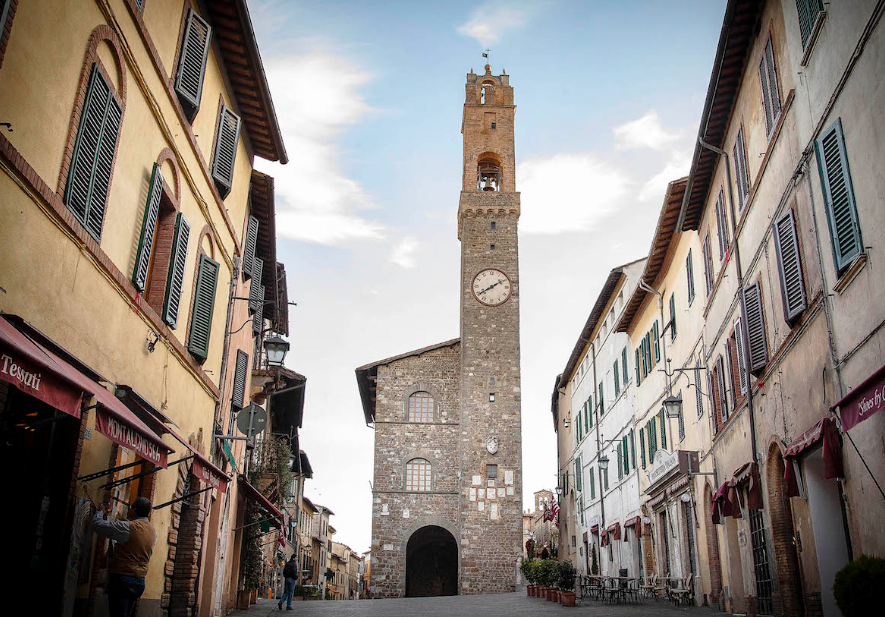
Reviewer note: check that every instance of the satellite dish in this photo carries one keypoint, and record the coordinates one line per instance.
(252, 420)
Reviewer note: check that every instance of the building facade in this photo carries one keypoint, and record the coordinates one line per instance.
(447, 418)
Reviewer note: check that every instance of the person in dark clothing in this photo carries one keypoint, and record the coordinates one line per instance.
(135, 540)
(545, 554)
(290, 572)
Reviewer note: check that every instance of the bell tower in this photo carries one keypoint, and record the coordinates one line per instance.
(490, 436)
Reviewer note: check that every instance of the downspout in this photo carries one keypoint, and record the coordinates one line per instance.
(745, 343)
(598, 455)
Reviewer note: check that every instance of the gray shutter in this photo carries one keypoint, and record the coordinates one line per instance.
(758, 347)
(148, 229)
(192, 62)
(636, 366)
(699, 401)
(808, 12)
(633, 448)
(225, 155)
(175, 276)
(620, 462)
(663, 417)
(721, 222)
(624, 371)
(203, 307)
(789, 265)
(708, 265)
(720, 383)
(258, 317)
(689, 276)
(739, 350)
(256, 290)
(239, 392)
(839, 196)
(768, 78)
(657, 341)
(249, 249)
(740, 169)
(89, 177)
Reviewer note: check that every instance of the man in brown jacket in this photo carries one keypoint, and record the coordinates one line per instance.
(135, 540)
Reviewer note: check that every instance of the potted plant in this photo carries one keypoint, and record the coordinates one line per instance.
(567, 583)
(857, 586)
(525, 567)
(547, 577)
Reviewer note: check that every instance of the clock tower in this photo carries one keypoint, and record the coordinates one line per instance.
(490, 433)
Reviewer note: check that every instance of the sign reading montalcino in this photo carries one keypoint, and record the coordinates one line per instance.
(201, 471)
(862, 402)
(664, 463)
(30, 379)
(125, 436)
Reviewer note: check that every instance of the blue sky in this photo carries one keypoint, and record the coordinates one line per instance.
(370, 95)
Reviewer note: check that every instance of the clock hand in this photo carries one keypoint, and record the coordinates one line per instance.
(490, 286)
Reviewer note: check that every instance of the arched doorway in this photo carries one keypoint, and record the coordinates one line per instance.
(431, 563)
(782, 535)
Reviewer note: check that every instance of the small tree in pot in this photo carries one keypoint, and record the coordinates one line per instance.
(546, 576)
(566, 582)
(857, 586)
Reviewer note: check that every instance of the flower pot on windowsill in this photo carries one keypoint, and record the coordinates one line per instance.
(567, 598)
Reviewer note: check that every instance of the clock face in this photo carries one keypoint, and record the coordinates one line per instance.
(491, 287)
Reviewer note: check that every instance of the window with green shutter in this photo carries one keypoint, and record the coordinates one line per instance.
(689, 277)
(757, 352)
(175, 276)
(653, 438)
(617, 377)
(632, 448)
(832, 160)
(626, 450)
(249, 248)
(226, 138)
(240, 373)
(620, 458)
(578, 479)
(642, 446)
(624, 370)
(672, 316)
(148, 230)
(258, 317)
(739, 353)
(601, 400)
(663, 418)
(588, 413)
(657, 339)
(789, 265)
(809, 10)
(203, 307)
(592, 483)
(192, 62)
(256, 299)
(89, 176)
(636, 366)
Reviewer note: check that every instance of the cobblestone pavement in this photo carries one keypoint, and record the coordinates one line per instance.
(506, 604)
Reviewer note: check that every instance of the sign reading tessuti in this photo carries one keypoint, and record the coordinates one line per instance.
(862, 402)
(125, 436)
(31, 379)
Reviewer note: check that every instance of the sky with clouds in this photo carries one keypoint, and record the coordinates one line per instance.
(369, 96)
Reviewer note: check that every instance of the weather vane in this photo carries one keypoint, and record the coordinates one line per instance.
(485, 55)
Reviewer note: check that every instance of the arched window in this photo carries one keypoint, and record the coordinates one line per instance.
(488, 172)
(418, 475)
(421, 407)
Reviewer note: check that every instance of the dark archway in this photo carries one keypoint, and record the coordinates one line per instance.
(782, 536)
(431, 563)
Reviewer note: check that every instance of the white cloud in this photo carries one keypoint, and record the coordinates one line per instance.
(567, 192)
(488, 22)
(646, 132)
(316, 96)
(403, 254)
(676, 168)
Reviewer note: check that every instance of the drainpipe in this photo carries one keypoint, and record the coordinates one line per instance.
(740, 279)
(598, 454)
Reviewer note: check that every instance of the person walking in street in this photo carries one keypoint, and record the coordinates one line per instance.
(290, 573)
(135, 541)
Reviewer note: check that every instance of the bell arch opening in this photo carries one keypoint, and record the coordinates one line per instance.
(431, 563)
(489, 173)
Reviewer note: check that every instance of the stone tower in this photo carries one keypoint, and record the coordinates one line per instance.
(447, 489)
(491, 441)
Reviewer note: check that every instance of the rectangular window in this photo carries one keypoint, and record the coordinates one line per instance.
(832, 160)
(809, 10)
(741, 176)
(771, 100)
(722, 399)
(227, 137)
(672, 316)
(624, 371)
(620, 458)
(652, 427)
(491, 471)
(642, 446)
(708, 265)
(734, 369)
(626, 449)
(758, 346)
(617, 376)
(632, 448)
(256, 297)
(657, 341)
(203, 307)
(789, 265)
(192, 62)
(681, 424)
(605, 479)
(730, 398)
(601, 398)
(699, 401)
(89, 178)
(663, 416)
(722, 226)
(689, 277)
(588, 413)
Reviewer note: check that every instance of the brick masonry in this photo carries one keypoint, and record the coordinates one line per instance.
(483, 515)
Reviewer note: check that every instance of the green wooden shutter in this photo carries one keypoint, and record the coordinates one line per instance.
(148, 229)
(175, 276)
(249, 248)
(617, 379)
(620, 458)
(657, 336)
(258, 317)
(203, 307)
(601, 400)
(633, 448)
(642, 446)
(663, 417)
(672, 316)
(652, 427)
(256, 291)
(588, 414)
(240, 373)
(226, 138)
(626, 450)
(578, 480)
(192, 62)
(832, 160)
(624, 371)
(789, 265)
(758, 346)
(592, 484)
(89, 176)
(636, 366)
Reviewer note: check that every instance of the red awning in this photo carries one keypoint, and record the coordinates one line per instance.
(631, 521)
(825, 431)
(867, 398)
(594, 529)
(747, 474)
(614, 529)
(721, 504)
(113, 419)
(255, 495)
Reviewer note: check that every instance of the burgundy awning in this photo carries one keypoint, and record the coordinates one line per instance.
(867, 398)
(594, 529)
(824, 431)
(614, 529)
(747, 474)
(721, 504)
(631, 521)
(255, 495)
(113, 419)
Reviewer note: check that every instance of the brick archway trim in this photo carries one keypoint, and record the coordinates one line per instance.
(782, 533)
(166, 154)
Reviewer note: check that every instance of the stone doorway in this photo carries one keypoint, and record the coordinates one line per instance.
(431, 563)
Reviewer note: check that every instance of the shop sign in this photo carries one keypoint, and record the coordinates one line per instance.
(862, 402)
(127, 437)
(33, 380)
(207, 475)
(664, 463)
